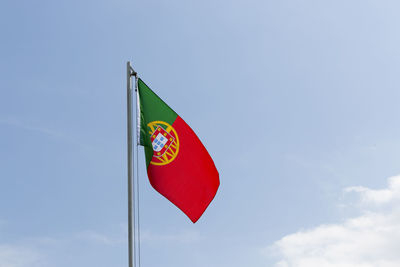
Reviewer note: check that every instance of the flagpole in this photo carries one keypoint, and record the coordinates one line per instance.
(131, 214)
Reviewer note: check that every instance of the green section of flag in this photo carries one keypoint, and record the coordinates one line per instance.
(152, 108)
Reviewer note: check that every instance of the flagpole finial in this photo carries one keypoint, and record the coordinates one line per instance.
(132, 72)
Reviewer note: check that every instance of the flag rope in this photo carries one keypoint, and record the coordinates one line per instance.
(137, 173)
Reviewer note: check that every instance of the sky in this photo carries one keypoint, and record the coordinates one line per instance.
(296, 102)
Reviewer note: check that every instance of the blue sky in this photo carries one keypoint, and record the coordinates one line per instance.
(296, 101)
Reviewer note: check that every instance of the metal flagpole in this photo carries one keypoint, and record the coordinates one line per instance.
(131, 213)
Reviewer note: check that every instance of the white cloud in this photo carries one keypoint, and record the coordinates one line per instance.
(101, 238)
(384, 196)
(369, 240)
(41, 129)
(19, 124)
(50, 251)
(181, 237)
(14, 256)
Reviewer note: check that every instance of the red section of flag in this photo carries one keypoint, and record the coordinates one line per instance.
(191, 180)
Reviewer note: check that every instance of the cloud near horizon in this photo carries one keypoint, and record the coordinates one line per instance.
(369, 240)
(17, 256)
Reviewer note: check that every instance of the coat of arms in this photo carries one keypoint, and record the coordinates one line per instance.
(165, 142)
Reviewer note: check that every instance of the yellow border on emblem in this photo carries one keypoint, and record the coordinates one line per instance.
(173, 150)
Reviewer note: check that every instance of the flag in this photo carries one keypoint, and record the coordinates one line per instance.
(178, 165)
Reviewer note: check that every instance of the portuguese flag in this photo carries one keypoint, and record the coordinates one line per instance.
(178, 165)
